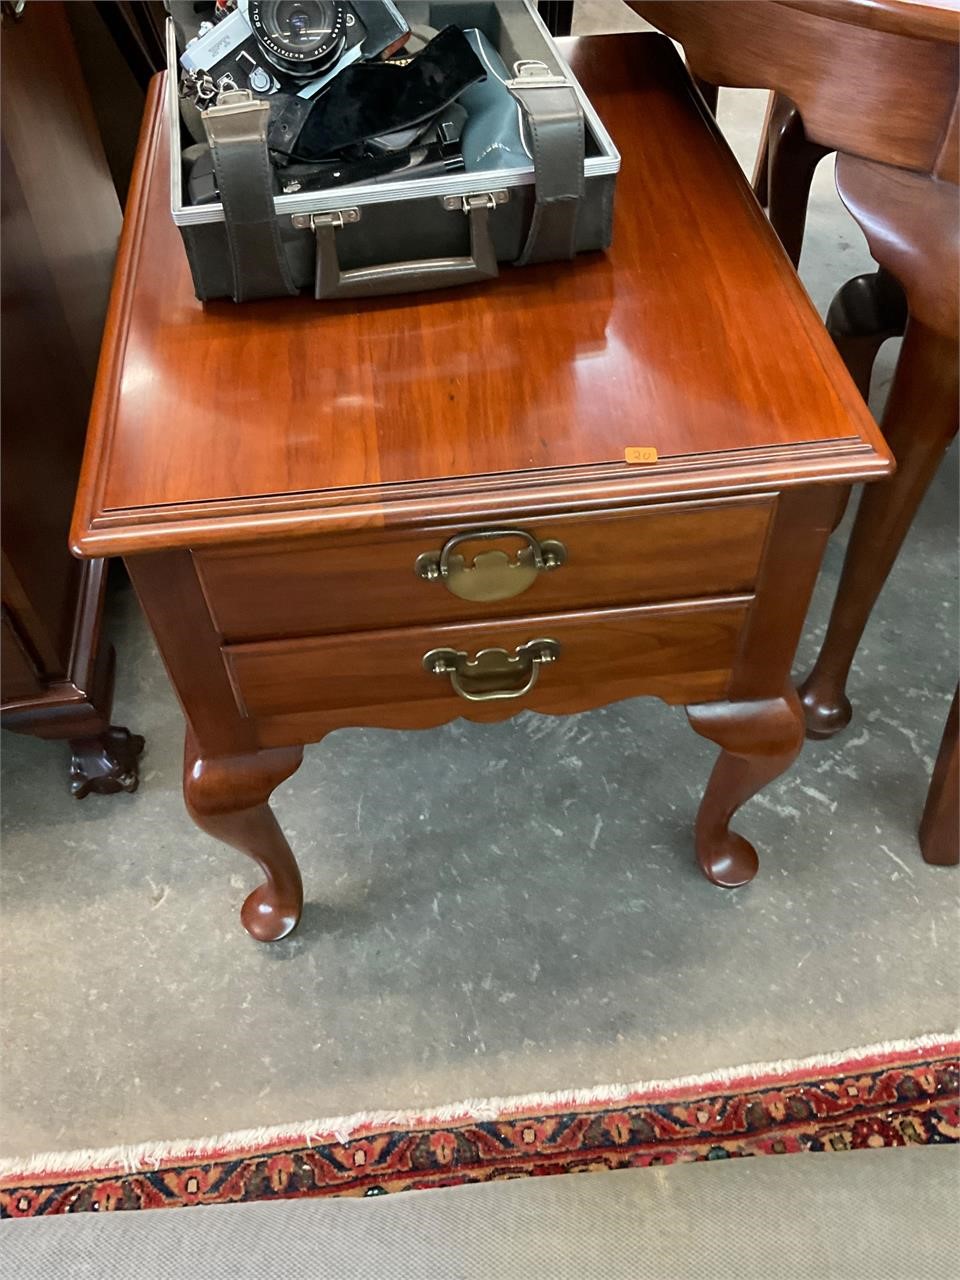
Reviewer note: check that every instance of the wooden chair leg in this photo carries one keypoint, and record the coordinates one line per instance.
(940, 826)
(784, 171)
(761, 164)
(864, 313)
(919, 423)
(558, 15)
(709, 91)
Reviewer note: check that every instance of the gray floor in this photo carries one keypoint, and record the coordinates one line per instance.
(491, 910)
(861, 1215)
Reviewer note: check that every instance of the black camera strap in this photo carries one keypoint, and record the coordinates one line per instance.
(237, 133)
(556, 135)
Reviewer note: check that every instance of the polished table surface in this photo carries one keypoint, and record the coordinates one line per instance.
(291, 413)
(276, 474)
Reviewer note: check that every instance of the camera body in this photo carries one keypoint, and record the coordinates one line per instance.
(293, 45)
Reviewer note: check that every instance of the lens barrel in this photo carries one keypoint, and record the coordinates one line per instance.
(300, 37)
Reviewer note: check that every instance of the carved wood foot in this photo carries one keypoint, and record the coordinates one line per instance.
(920, 422)
(760, 740)
(105, 763)
(227, 796)
(864, 313)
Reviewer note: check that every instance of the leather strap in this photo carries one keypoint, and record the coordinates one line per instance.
(556, 133)
(237, 133)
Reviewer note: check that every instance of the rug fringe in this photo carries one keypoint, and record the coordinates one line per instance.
(151, 1154)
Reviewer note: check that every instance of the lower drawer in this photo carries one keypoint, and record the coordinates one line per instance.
(679, 652)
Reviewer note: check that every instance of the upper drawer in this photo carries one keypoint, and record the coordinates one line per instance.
(638, 556)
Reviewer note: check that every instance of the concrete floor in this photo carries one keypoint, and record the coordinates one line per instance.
(491, 910)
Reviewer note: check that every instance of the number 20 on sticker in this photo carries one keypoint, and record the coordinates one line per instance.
(642, 454)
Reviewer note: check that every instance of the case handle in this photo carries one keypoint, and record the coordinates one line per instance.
(405, 277)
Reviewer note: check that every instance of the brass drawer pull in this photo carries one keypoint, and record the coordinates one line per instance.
(492, 673)
(492, 575)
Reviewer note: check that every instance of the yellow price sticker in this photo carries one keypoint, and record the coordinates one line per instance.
(640, 454)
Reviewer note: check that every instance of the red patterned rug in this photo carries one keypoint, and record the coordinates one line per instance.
(886, 1096)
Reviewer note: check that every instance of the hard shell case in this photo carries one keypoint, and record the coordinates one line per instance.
(408, 235)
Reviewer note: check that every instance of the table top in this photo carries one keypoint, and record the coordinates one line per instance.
(876, 79)
(926, 19)
(223, 423)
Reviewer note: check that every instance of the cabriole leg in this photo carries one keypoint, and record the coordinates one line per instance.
(920, 422)
(760, 740)
(227, 796)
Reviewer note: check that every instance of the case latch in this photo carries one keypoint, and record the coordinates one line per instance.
(479, 200)
(529, 73)
(335, 218)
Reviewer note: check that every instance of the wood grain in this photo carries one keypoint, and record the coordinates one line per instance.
(652, 553)
(607, 654)
(918, 19)
(214, 423)
(878, 81)
(171, 596)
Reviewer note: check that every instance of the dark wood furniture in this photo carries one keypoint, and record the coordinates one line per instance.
(342, 515)
(940, 825)
(786, 161)
(877, 81)
(557, 14)
(61, 221)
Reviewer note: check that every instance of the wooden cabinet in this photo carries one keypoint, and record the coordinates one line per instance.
(61, 221)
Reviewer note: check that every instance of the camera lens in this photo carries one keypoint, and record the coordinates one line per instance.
(298, 25)
(300, 37)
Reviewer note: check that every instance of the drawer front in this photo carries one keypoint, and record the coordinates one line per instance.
(641, 555)
(680, 652)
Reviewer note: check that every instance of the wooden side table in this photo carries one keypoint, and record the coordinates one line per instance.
(399, 512)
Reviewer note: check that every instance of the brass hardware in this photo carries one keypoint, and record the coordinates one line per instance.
(481, 679)
(492, 575)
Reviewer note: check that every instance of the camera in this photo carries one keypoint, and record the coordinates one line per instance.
(294, 45)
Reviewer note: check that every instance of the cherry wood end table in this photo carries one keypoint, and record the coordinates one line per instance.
(399, 512)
